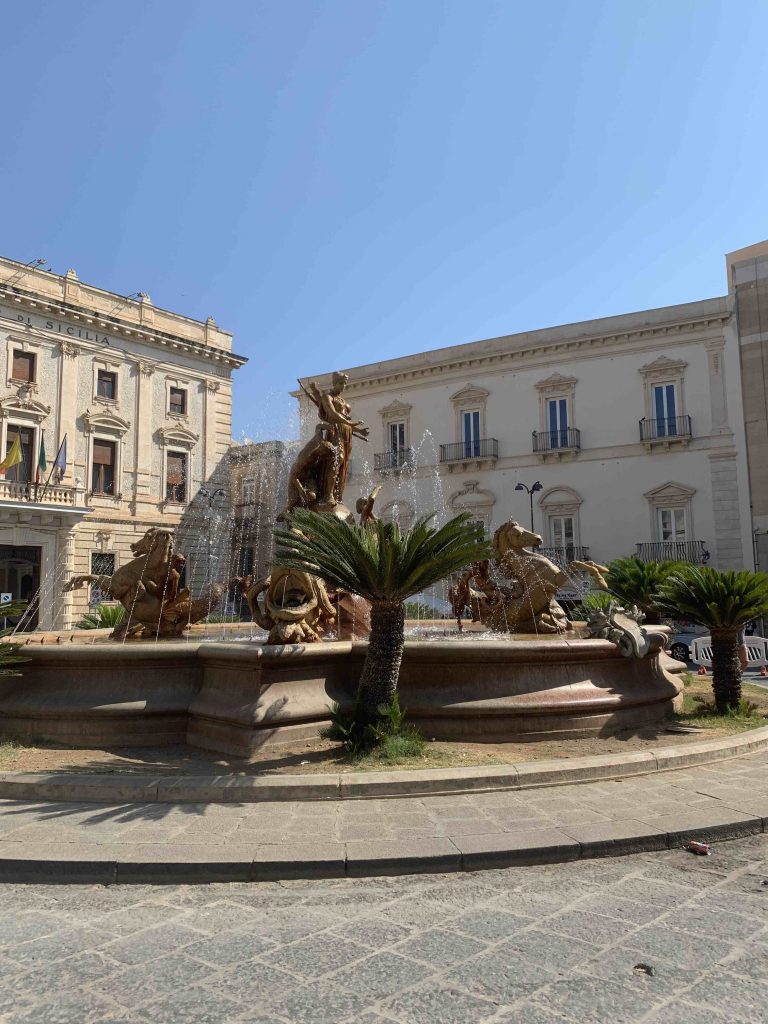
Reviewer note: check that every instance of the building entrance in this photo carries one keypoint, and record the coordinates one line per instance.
(20, 576)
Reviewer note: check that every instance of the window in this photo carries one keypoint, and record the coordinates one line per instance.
(672, 524)
(470, 432)
(104, 461)
(247, 560)
(665, 409)
(102, 564)
(23, 366)
(176, 478)
(396, 436)
(557, 422)
(21, 473)
(248, 490)
(177, 401)
(106, 384)
(562, 531)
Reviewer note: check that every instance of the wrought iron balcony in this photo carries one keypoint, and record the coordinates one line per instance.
(470, 451)
(668, 428)
(673, 551)
(567, 440)
(399, 458)
(563, 555)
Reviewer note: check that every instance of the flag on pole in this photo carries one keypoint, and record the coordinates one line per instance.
(60, 465)
(42, 462)
(14, 456)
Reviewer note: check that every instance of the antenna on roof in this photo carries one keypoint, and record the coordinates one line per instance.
(124, 301)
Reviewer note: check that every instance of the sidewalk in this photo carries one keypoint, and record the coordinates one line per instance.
(189, 842)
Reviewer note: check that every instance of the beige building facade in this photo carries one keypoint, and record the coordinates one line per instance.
(629, 431)
(143, 397)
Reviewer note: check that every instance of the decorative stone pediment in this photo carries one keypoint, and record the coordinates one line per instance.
(472, 497)
(395, 410)
(177, 435)
(670, 495)
(470, 394)
(23, 405)
(663, 368)
(563, 501)
(556, 382)
(105, 422)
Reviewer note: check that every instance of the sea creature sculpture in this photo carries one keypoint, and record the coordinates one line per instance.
(148, 589)
(516, 591)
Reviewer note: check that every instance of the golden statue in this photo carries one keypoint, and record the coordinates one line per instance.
(148, 589)
(319, 472)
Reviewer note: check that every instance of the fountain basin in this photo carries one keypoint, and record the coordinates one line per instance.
(235, 698)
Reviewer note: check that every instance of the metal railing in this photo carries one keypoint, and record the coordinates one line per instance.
(667, 426)
(399, 458)
(463, 451)
(673, 551)
(563, 555)
(568, 439)
(53, 494)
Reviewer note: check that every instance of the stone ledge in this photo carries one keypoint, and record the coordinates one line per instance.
(361, 785)
(158, 864)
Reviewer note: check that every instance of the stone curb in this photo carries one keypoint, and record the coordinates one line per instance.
(68, 786)
(160, 864)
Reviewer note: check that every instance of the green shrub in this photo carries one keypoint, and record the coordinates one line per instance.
(104, 616)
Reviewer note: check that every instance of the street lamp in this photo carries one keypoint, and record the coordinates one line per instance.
(210, 497)
(531, 491)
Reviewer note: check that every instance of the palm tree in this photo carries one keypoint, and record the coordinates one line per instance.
(104, 616)
(385, 566)
(635, 582)
(724, 602)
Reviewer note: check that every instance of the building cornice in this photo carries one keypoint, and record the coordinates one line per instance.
(537, 346)
(82, 317)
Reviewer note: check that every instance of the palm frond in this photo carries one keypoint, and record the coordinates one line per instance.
(718, 600)
(379, 561)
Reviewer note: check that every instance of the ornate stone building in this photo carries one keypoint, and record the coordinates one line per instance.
(629, 431)
(143, 397)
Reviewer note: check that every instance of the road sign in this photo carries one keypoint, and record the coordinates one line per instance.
(6, 598)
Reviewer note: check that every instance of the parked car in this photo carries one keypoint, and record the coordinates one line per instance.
(684, 635)
(682, 640)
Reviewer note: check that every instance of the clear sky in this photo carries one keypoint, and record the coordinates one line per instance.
(341, 181)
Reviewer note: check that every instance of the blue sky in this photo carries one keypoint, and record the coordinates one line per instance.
(340, 181)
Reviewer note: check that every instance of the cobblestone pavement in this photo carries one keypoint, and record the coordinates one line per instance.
(731, 791)
(528, 945)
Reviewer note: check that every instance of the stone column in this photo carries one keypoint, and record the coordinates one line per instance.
(68, 411)
(143, 446)
(717, 396)
(210, 426)
(63, 600)
(729, 551)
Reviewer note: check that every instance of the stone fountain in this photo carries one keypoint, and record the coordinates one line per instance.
(237, 697)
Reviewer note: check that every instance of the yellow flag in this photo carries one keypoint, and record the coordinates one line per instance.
(14, 456)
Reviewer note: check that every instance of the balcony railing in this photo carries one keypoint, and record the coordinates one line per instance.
(468, 451)
(400, 458)
(563, 555)
(54, 494)
(665, 428)
(568, 439)
(674, 551)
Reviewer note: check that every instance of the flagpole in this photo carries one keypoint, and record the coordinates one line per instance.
(53, 466)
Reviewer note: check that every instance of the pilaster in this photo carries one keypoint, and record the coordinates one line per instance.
(68, 366)
(143, 439)
(212, 388)
(718, 401)
(729, 550)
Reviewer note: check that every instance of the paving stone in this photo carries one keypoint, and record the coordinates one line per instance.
(314, 956)
(229, 947)
(490, 925)
(382, 974)
(596, 1001)
(151, 943)
(436, 1002)
(191, 1005)
(440, 947)
(320, 1004)
(500, 977)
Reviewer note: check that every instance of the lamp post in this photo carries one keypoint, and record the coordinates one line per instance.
(531, 491)
(210, 497)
